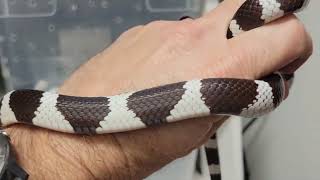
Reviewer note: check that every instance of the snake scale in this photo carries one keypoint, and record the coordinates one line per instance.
(164, 104)
(159, 105)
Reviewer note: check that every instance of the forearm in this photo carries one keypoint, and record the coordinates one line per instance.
(132, 155)
(50, 155)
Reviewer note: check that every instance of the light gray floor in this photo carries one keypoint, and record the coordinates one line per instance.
(286, 145)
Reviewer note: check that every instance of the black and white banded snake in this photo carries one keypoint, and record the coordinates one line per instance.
(164, 104)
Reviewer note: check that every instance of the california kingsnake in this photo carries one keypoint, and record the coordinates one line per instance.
(159, 105)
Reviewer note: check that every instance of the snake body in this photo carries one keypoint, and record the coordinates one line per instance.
(159, 105)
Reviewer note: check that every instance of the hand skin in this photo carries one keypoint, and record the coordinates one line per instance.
(158, 53)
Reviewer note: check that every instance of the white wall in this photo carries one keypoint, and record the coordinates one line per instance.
(286, 145)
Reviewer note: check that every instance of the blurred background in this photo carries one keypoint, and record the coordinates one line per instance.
(43, 41)
(286, 144)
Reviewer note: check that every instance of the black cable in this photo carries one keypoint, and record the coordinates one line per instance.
(246, 167)
(252, 121)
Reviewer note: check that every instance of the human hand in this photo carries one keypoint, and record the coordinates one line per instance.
(158, 53)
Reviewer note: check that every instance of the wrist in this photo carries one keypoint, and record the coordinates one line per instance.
(50, 155)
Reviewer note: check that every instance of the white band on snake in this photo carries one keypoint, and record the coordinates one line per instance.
(164, 104)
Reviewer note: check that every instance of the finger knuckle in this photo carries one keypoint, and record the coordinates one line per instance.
(132, 30)
(129, 33)
(159, 24)
(187, 30)
(296, 30)
(135, 28)
(297, 26)
(296, 37)
(182, 36)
